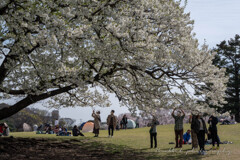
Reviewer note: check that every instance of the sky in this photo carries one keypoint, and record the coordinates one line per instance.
(215, 21)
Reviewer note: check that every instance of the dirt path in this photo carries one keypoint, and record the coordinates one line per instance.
(46, 149)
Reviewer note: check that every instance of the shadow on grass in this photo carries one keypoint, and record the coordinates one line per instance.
(151, 154)
(82, 148)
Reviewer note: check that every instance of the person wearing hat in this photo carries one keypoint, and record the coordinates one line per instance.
(97, 121)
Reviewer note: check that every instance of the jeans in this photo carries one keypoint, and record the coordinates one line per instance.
(153, 135)
(137, 125)
(110, 127)
(215, 138)
(201, 139)
(124, 125)
(180, 134)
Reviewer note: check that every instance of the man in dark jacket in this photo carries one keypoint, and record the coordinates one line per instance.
(213, 121)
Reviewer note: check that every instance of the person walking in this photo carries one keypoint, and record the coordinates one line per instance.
(201, 130)
(192, 120)
(153, 133)
(97, 121)
(111, 122)
(213, 121)
(125, 121)
(178, 127)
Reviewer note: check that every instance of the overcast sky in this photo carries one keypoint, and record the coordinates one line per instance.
(215, 21)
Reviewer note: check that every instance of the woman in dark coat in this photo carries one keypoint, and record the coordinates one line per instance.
(213, 121)
(201, 129)
(125, 121)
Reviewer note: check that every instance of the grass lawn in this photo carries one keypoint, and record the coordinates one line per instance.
(139, 141)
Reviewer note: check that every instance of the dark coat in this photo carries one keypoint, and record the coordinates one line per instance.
(124, 119)
(213, 123)
(192, 122)
(75, 132)
(196, 125)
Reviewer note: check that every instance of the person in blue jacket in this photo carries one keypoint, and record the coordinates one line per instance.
(186, 136)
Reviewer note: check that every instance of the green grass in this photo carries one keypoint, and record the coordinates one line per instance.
(139, 140)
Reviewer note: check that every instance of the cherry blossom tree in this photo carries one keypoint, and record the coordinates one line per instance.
(77, 51)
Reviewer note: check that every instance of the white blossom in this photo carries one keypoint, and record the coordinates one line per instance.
(143, 51)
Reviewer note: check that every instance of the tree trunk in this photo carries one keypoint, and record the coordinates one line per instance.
(7, 112)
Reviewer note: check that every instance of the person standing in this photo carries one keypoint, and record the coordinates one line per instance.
(192, 119)
(125, 121)
(201, 129)
(121, 124)
(111, 122)
(97, 121)
(213, 121)
(137, 122)
(153, 132)
(178, 127)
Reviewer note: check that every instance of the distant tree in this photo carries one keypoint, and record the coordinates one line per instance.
(26, 115)
(68, 122)
(228, 56)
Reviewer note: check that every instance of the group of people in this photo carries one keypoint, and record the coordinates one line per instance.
(196, 134)
(111, 122)
(4, 129)
(124, 122)
(198, 130)
(48, 129)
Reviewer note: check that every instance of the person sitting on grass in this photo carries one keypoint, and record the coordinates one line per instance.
(61, 131)
(5, 130)
(187, 136)
(153, 132)
(56, 129)
(76, 131)
(49, 130)
(1, 129)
